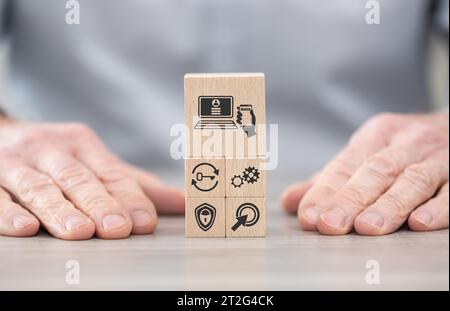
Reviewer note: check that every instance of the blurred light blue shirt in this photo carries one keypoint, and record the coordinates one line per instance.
(121, 70)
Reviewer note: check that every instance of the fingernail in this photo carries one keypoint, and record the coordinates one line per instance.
(311, 215)
(334, 218)
(141, 218)
(21, 221)
(113, 222)
(373, 219)
(424, 217)
(74, 222)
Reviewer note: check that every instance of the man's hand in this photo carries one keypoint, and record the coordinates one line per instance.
(62, 177)
(394, 169)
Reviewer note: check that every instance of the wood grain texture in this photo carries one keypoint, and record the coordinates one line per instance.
(245, 178)
(254, 224)
(245, 90)
(204, 177)
(194, 229)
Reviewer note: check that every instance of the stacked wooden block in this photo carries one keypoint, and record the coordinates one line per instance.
(225, 183)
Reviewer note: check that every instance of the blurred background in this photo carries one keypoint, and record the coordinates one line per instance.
(120, 70)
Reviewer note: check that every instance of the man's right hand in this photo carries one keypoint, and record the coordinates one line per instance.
(62, 177)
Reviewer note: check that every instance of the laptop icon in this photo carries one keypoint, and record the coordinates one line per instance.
(215, 112)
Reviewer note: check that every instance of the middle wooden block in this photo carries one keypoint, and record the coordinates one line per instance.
(245, 177)
(204, 178)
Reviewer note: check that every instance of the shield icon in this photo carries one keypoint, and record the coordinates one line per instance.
(205, 215)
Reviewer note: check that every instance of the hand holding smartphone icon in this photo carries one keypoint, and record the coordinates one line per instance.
(246, 118)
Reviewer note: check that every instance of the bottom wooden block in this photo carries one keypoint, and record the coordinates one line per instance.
(246, 217)
(205, 217)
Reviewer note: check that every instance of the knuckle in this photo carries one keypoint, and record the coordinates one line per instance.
(34, 136)
(355, 197)
(77, 127)
(54, 205)
(382, 166)
(31, 186)
(342, 168)
(395, 202)
(39, 192)
(132, 198)
(378, 125)
(39, 195)
(425, 134)
(80, 130)
(418, 178)
(110, 174)
(384, 119)
(73, 177)
(30, 142)
(96, 202)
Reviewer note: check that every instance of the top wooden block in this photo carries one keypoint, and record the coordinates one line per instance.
(225, 114)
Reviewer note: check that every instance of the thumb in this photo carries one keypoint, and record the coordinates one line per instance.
(291, 197)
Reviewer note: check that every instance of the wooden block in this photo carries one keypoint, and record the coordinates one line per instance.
(224, 114)
(205, 217)
(245, 178)
(204, 177)
(246, 217)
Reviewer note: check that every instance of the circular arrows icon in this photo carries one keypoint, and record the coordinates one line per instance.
(200, 176)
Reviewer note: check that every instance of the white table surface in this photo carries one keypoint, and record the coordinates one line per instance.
(288, 259)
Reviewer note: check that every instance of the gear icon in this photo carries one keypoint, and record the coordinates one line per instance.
(237, 181)
(250, 175)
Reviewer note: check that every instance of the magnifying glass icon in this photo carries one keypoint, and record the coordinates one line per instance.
(246, 215)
